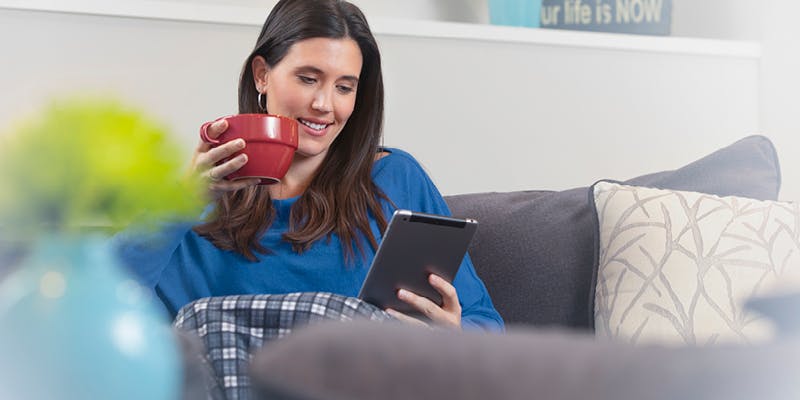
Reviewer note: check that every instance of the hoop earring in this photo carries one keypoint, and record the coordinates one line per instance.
(260, 107)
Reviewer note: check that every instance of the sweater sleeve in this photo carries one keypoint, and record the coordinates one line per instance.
(405, 182)
(145, 255)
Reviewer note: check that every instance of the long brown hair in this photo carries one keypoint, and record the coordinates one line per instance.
(342, 195)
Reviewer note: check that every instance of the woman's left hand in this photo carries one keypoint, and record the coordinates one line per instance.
(447, 316)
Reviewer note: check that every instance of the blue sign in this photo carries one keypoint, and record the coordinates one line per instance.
(514, 12)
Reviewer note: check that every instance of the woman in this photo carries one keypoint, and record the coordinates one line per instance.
(270, 258)
(317, 230)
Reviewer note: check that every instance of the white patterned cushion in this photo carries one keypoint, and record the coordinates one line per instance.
(676, 267)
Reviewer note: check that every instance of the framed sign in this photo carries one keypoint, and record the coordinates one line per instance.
(644, 17)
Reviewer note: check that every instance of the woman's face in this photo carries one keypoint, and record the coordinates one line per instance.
(315, 83)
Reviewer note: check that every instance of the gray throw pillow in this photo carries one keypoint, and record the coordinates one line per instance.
(534, 250)
(782, 309)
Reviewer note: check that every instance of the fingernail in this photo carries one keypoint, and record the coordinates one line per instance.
(240, 143)
(402, 294)
(242, 157)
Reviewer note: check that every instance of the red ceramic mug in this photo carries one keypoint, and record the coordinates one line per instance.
(271, 142)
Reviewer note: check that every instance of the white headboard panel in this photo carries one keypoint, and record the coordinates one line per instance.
(525, 115)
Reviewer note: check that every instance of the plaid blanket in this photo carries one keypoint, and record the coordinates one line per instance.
(234, 327)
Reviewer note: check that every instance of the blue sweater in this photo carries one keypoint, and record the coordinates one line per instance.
(182, 266)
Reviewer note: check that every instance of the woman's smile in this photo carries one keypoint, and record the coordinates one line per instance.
(314, 127)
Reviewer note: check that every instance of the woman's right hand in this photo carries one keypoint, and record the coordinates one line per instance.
(206, 157)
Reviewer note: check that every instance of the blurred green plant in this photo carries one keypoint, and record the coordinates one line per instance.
(91, 163)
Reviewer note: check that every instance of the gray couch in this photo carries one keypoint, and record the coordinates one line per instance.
(536, 252)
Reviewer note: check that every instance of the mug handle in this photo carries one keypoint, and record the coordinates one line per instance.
(204, 133)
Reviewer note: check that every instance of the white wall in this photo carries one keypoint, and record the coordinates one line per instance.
(564, 117)
(773, 23)
(438, 10)
(182, 73)
(720, 19)
(780, 88)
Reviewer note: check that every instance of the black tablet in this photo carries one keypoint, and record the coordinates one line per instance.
(414, 246)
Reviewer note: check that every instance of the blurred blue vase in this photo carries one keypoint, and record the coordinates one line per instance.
(74, 326)
(515, 12)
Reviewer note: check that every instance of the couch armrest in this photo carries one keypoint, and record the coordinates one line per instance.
(391, 361)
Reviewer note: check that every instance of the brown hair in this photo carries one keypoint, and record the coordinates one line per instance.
(342, 195)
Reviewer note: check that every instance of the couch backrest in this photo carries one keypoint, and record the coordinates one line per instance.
(535, 250)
